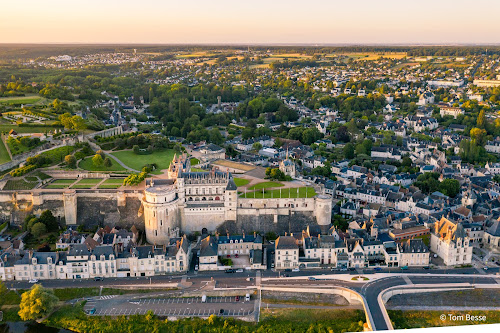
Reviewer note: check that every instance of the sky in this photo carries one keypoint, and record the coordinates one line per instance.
(251, 21)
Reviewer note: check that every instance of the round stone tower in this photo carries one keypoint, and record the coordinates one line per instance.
(161, 213)
(323, 209)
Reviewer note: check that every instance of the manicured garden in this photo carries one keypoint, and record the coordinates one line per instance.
(137, 161)
(19, 184)
(112, 183)
(294, 192)
(262, 185)
(86, 164)
(241, 181)
(194, 161)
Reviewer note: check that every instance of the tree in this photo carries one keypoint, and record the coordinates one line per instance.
(38, 229)
(450, 187)
(49, 220)
(70, 161)
(257, 146)
(481, 119)
(36, 303)
(342, 134)
(107, 162)
(97, 161)
(349, 151)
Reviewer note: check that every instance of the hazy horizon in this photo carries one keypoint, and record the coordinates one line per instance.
(224, 22)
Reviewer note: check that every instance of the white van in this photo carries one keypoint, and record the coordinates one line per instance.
(204, 299)
(247, 297)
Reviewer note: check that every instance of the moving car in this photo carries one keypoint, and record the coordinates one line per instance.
(98, 278)
(296, 270)
(33, 281)
(239, 270)
(230, 270)
(92, 311)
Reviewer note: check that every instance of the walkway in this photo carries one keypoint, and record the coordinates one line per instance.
(120, 162)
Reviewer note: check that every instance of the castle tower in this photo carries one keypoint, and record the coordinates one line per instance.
(323, 210)
(161, 214)
(231, 200)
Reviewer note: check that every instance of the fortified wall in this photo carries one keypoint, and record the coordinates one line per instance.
(85, 207)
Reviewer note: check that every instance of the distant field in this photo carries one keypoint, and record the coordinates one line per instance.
(26, 129)
(20, 100)
(4, 155)
(86, 164)
(137, 162)
(262, 185)
(302, 192)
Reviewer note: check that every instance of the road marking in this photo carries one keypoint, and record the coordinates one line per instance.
(407, 279)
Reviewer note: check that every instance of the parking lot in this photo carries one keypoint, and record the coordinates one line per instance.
(188, 307)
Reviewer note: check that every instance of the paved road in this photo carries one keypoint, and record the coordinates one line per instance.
(370, 290)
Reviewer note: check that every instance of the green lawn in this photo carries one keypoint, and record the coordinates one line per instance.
(137, 162)
(41, 175)
(92, 181)
(57, 155)
(83, 186)
(262, 185)
(194, 161)
(303, 192)
(63, 181)
(198, 170)
(112, 183)
(241, 181)
(27, 129)
(56, 186)
(4, 155)
(19, 184)
(109, 186)
(86, 164)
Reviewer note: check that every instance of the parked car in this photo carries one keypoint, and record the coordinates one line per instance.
(33, 281)
(228, 256)
(98, 278)
(343, 269)
(404, 268)
(239, 270)
(377, 269)
(311, 278)
(92, 311)
(196, 267)
(296, 270)
(435, 255)
(204, 299)
(288, 270)
(230, 270)
(237, 298)
(485, 268)
(221, 311)
(272, 265)
(236, 255)
(426, 267)
(247, 297)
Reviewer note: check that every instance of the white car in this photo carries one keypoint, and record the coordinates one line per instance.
(296, 270)
(239, 270)
(33, 281)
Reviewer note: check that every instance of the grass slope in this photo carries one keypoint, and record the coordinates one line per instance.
(4, 155)
(241, 181)
(262, 185)
(137, 162)
(86, 164)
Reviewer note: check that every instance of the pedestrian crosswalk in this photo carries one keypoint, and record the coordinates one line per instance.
(108, 297)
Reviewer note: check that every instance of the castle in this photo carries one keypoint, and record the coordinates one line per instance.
(205, 201)
(178, 201)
